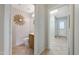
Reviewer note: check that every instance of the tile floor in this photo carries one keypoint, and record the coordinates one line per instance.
(57, 46)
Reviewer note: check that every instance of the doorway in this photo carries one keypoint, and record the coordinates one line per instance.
(22, 20)
(58, 42)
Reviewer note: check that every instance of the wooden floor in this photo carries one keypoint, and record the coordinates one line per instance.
(22, 50)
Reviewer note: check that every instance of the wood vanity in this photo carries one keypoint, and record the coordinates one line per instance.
(31, 40)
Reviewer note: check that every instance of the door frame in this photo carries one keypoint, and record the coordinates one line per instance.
(11, 25)
(70, 35)
(7, 30)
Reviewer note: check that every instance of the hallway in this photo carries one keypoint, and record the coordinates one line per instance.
(57, 46)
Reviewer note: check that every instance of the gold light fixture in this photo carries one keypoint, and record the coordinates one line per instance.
(19, 19)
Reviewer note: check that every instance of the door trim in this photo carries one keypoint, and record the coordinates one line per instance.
(71, 30)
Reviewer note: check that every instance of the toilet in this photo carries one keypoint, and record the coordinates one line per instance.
(26, 42)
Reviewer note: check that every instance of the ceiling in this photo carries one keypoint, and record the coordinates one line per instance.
(29, 8)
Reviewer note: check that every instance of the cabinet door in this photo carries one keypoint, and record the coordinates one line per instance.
(31, 41)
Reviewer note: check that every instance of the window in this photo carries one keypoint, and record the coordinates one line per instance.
(61, 24)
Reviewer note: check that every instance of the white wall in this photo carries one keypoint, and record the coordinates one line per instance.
(51, 30)
(20, 32)
(52, 27)
(76, 30)
(39, 29)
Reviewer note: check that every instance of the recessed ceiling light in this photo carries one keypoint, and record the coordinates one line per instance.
(53, 11)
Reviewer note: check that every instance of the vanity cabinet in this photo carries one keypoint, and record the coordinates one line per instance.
(31, 40)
